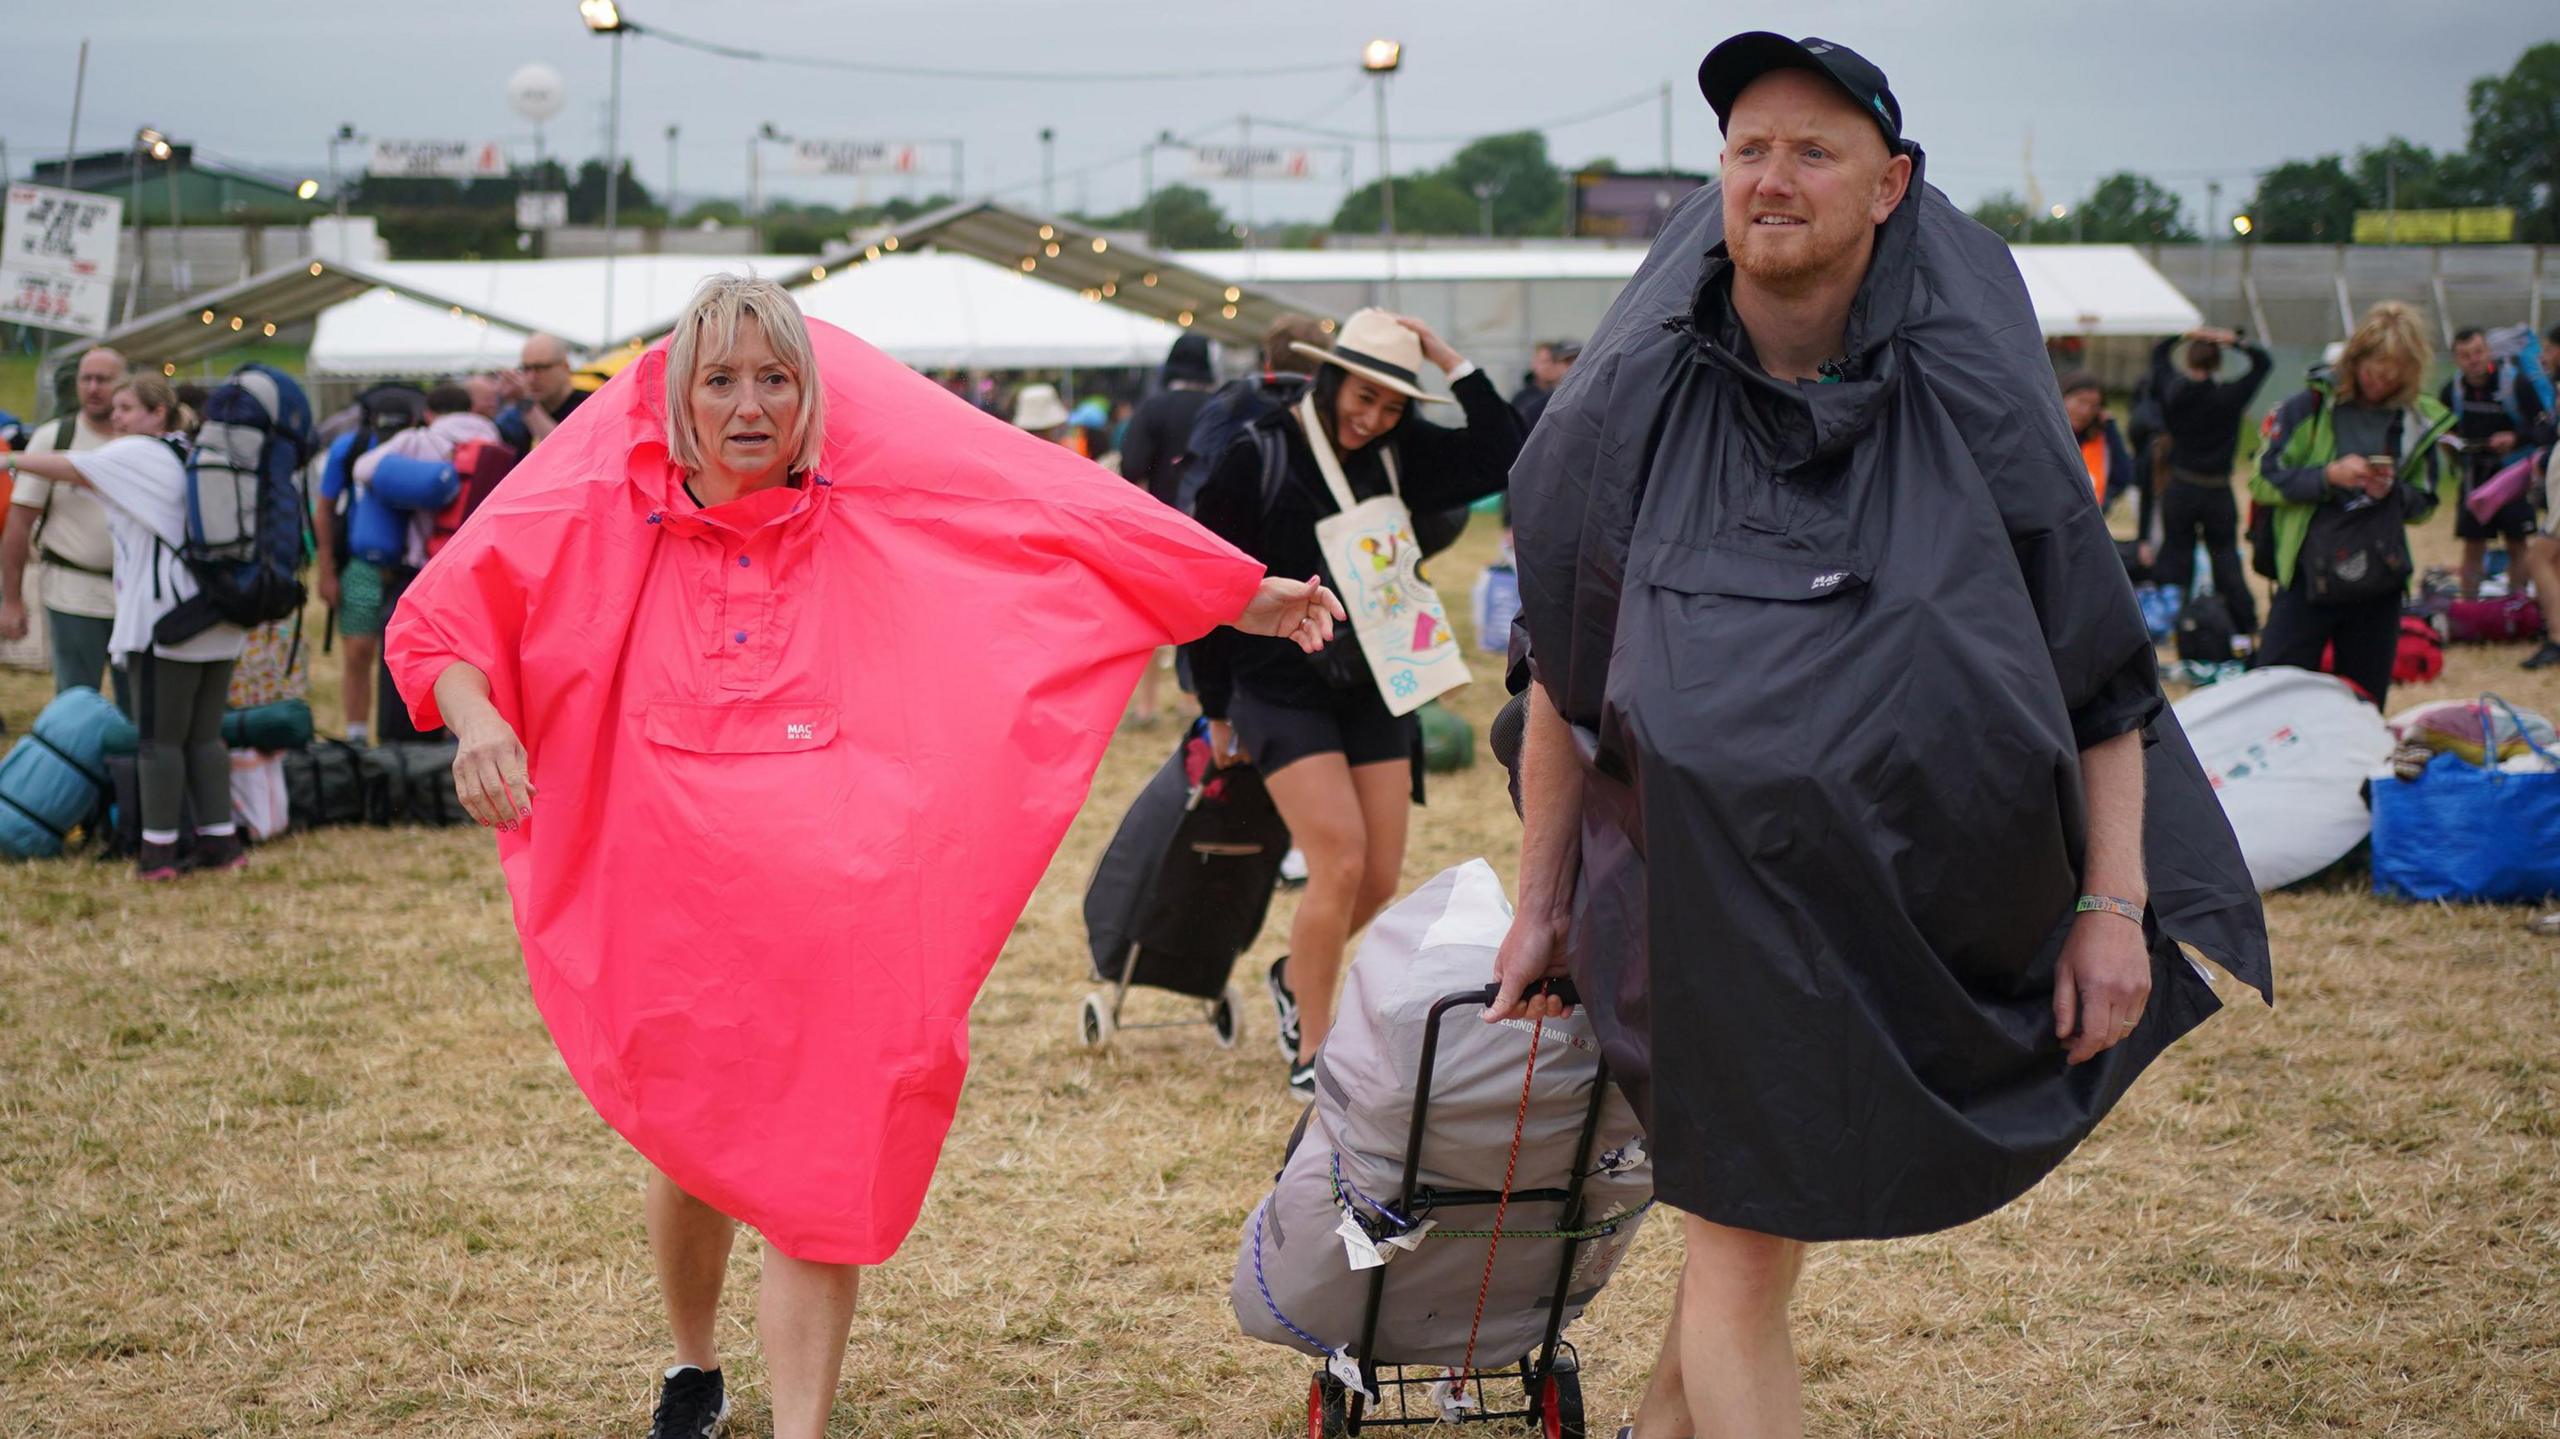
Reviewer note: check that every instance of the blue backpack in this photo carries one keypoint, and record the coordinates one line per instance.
(1237, 403)
(245, 542)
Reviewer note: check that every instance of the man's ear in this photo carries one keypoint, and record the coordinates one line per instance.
(1891, 186)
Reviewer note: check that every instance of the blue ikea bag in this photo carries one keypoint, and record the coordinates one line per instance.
(2469, 831)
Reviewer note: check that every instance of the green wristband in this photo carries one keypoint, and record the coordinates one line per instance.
(2109, 904)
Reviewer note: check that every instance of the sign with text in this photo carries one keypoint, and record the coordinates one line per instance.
(542, 209)
(853, 157)
(2482, 225)
(437, 160)
(58, 258)
(1250, 162)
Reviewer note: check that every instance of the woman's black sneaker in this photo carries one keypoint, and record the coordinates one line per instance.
(1302, 1082)
(2545, 657)
(1287, 1004)
(692, 1404)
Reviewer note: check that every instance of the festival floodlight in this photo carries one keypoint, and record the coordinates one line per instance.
(1380, 57)
(306, 190)
(602, 16)
(2242, 225)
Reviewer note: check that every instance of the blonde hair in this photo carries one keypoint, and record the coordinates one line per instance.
(153, 393)
(2392, 334)
(708, 329)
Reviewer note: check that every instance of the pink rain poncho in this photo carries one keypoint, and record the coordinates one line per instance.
(800, 759)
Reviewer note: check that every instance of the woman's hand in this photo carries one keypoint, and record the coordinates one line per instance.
(2101, 985)
(329, 593)
(1224, 752)
(1303, 611)
(2350, 472)
(489, 773)
(1434, 349)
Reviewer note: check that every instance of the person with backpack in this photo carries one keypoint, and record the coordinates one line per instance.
(65, 529)
(178, 686)
(2350, 463)
(1337, 759)
(355, 587)
(2499, 418)
(1286, 373)
(2201, 414)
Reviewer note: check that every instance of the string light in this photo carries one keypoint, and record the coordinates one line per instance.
(1183, 319)
(1326, 326)
(1100, 245)
(1149, 280)
(315, 269)
(236, 322)
(890, 244)
(168, 369)
(1227, 310)
(1029, 264)
(1234, 294)
(1048, 232)
(268, 329)
(1052, 250)
(207, 317)
(1110, 289)
(818, 273)
(871, 254)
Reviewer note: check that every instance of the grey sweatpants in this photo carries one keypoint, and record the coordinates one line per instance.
(178, 706)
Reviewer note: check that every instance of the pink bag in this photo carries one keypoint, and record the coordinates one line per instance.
(2517, 617)
(2499, 490)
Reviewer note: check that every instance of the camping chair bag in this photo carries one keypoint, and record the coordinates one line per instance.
(55, 778)
(1294, 1275)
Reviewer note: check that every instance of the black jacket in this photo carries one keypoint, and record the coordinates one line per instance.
(1158, 434)
(2203, 416)
(1440, 469)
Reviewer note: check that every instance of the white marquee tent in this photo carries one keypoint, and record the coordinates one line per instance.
(931, 311)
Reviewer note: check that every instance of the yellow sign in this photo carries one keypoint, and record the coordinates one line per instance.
(2483, 225)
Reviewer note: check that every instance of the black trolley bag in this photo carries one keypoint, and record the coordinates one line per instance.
(1182, 889)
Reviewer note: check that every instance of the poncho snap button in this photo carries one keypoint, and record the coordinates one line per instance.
(740, 637)
(654, 517)
(742, 562)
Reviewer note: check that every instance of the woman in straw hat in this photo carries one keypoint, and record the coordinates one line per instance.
(781, 672)
(1339, 763)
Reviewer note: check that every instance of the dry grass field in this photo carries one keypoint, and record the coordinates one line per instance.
(290, 1153)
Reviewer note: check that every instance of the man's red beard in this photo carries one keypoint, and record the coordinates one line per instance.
(1809, 251)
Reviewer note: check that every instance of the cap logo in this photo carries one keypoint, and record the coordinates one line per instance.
(1823, 49)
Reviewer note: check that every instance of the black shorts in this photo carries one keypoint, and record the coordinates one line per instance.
(2511, 523)
(1356, 727)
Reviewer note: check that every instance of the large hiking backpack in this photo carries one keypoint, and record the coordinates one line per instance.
(2522, 367)
(481, 464)
(381, 412)
(246, 541)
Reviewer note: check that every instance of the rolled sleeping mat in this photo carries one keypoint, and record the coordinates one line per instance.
(405, 482)
(283, 725)
(376, 533)
(52, 781)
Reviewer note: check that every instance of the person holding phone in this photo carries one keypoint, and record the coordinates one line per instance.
(2364, 438)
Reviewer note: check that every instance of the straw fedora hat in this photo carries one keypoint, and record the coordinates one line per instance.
(1373, 346)
(1039, 408)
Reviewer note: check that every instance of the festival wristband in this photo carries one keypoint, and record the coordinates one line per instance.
(2109, 904)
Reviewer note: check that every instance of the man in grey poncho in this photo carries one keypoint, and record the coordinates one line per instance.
(1842, 729)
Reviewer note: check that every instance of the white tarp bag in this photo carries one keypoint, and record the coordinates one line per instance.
(258, 803)
(1302, 1274)
(1376, 563)
(2288, 752)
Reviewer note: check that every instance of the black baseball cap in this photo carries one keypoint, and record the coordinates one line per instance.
(1730, 68)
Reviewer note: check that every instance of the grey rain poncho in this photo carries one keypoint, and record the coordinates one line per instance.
(1831, 652)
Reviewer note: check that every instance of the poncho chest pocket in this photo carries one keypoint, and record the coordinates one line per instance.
(770, 727)
(1725, 571)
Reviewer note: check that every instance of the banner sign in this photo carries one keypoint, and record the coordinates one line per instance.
(58, 258)
(542, 209)
(2484, 225)
(853, 157)
(1250, 162)
(437, 160)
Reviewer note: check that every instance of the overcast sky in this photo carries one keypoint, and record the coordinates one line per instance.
(2187, 91)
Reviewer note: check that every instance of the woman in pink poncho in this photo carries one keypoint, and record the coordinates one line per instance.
(810, 665)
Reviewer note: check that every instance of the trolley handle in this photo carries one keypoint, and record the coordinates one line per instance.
(1561, 986)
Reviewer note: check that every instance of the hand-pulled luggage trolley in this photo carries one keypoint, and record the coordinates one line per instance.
(1181, 891)
(1550, 1379)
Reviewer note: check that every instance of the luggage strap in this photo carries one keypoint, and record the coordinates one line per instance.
(1510, 1171)
(92, 776)
(64, 835)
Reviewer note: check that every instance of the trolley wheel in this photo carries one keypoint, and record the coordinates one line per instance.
(1224, 1014)
(1560, 1404)
(1328, 1408)
(1093, 1022)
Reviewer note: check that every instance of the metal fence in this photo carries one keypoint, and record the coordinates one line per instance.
(2307, 295)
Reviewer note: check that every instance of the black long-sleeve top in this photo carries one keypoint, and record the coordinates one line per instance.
(1438, 468)
(2203, 416)
(1158, 434)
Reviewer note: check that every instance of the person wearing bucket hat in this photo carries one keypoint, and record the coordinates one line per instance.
(1860, 980)
(1038, 409)
(1339, 761)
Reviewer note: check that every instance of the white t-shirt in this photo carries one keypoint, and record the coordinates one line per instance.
(144, 485)
(75, 528)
